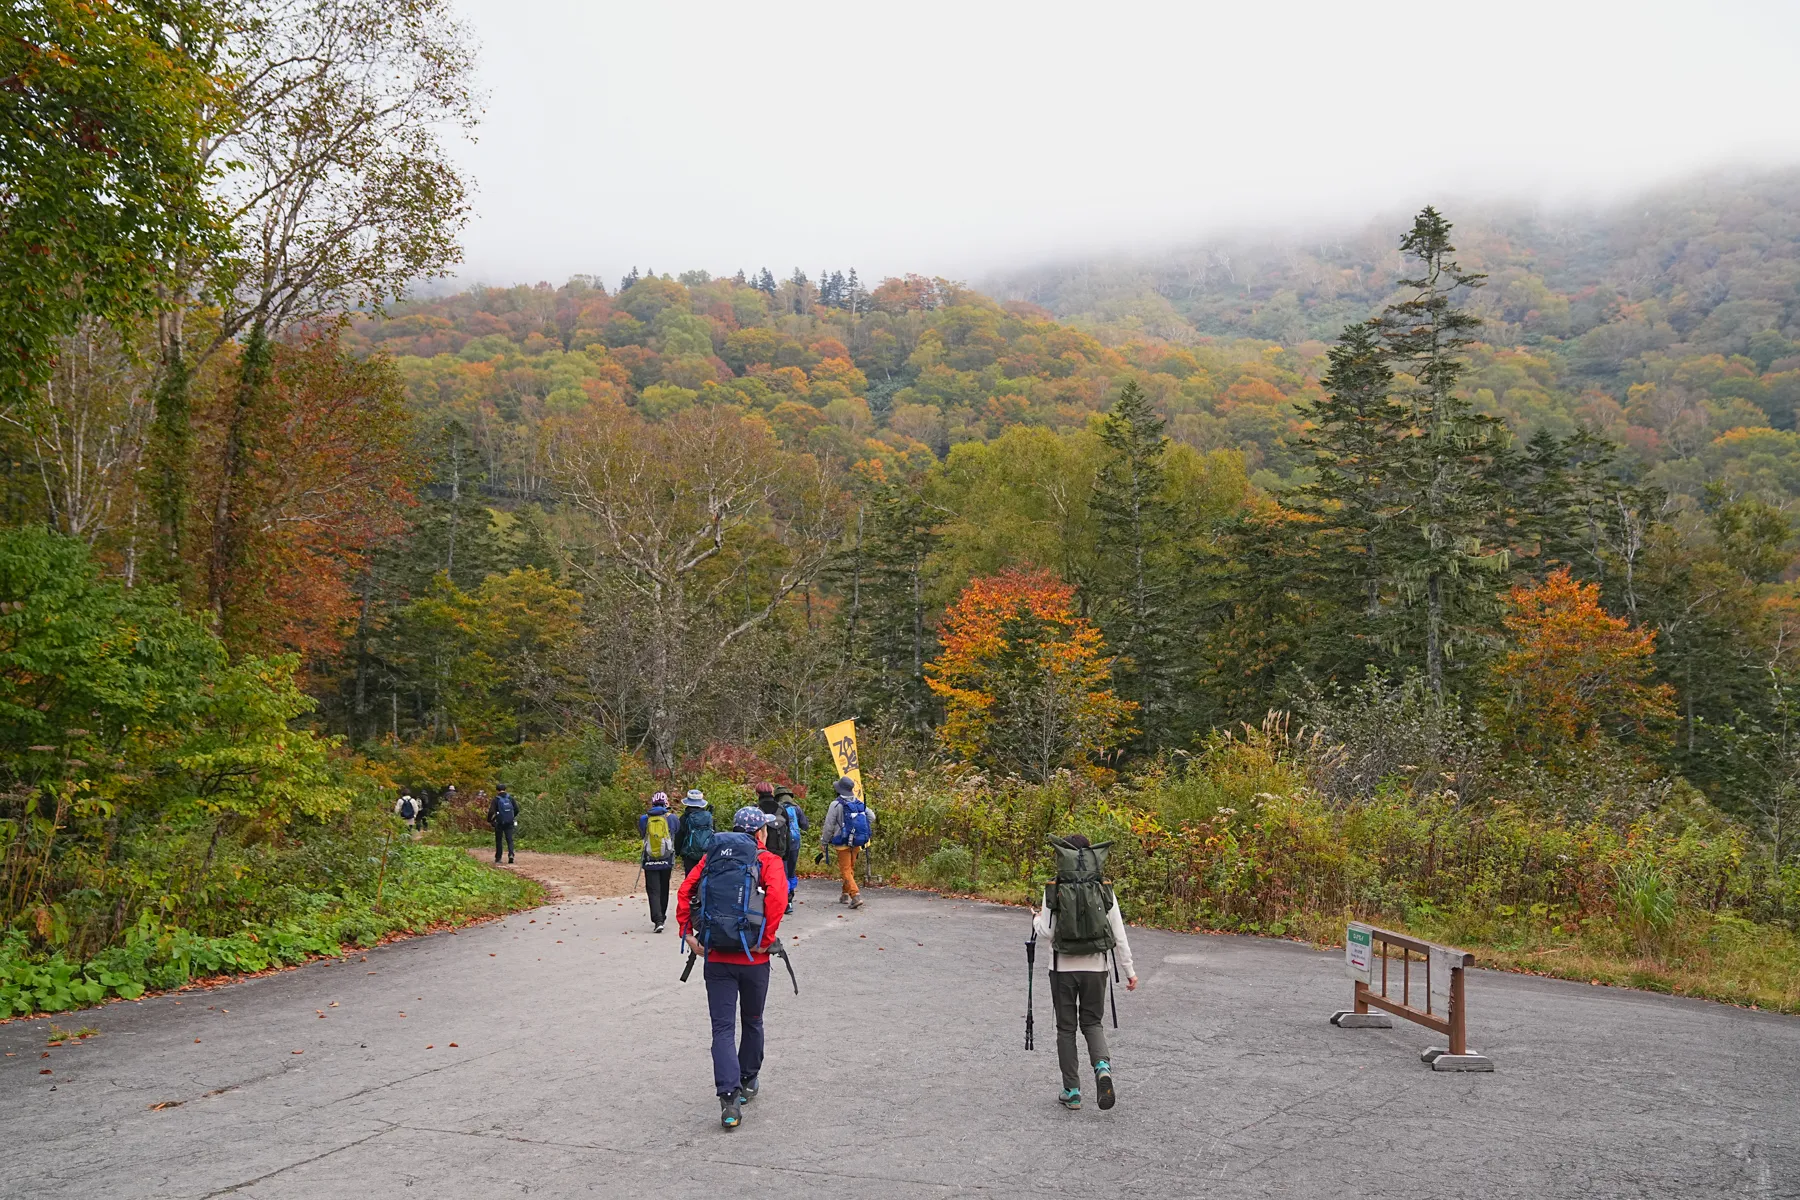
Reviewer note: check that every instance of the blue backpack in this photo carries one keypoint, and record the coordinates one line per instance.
(793, 824)
(505, 812)
(696, 832)
(854, 829)
(729, 915)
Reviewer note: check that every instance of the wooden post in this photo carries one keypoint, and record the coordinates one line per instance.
(1359, 992)
(1459, 1037)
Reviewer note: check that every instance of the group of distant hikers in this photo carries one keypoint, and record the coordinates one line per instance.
(739, 883)
(668, 835)
(502, 813)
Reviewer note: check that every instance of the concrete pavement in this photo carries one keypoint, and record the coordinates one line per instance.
(555, 1054)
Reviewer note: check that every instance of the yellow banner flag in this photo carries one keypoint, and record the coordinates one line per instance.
(842, 740)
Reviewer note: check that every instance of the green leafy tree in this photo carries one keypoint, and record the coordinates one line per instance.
(102, 107)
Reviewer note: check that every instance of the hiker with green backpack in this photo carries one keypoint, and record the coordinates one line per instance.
(695, 831)
(1080, 916)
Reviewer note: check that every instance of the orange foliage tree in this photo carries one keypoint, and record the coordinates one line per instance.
(329, 477)
(1025, 682)
(1574, 671)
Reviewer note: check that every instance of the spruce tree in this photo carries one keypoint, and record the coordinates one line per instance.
(882, 579)
(1134, 584)
(454, 529)
(1357, 436)
(1453, 471)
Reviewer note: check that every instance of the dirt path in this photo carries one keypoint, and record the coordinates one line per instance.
(572, 876)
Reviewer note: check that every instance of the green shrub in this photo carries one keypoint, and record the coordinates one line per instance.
(950, 867)
(1646, 901)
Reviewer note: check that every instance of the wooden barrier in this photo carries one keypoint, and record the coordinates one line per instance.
(1381, 965)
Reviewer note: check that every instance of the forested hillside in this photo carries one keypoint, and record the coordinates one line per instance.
(1443, 575)
(1665, 323)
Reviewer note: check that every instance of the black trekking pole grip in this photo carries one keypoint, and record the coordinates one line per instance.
(689, 969)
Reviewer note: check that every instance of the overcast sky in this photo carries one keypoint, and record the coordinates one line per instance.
(950, 138)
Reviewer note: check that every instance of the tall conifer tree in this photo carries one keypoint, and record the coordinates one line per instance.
(1135, 579)
(1454, 470)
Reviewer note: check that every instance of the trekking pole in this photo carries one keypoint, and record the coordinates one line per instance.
(689, 969)
(1030, 981)
(780, 951)
(1110, 994)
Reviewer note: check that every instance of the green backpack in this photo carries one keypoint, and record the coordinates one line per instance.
(1079, 900)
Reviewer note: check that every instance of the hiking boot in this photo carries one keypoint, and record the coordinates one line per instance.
(856, 901)
(1103, 1083)
(843, 897)
(1070, 1098)
(731, 1110)
(510, 860)
(747, 1090)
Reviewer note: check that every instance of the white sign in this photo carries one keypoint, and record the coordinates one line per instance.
(1442, 961)
(1359, 942)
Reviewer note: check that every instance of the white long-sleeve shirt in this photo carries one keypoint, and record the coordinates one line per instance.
(1044, 925)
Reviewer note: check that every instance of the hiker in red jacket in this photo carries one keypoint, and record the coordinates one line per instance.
(729, 912)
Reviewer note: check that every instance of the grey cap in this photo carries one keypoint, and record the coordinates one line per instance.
(846, 786)
(694, 799)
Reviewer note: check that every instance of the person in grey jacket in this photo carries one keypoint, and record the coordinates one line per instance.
(1078, 993)
(849, 826)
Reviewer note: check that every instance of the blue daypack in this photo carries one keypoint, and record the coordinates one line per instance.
(696, 832)
(729, 915)
(853, 830)
(505, 812)
(793, 824)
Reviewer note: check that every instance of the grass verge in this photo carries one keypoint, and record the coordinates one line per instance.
(425, 887)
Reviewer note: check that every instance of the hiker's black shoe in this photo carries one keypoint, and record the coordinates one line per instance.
(510, 860)
(658, 929)
(731, 1110)
(747, 1090)
(1103, 1083)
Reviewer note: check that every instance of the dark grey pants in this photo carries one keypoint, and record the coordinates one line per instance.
(1079, 998)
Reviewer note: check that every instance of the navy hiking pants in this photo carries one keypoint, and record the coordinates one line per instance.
(731, 987)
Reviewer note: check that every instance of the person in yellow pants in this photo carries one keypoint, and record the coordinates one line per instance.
(848, 827)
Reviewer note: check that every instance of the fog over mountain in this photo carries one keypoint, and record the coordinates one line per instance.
(969, 138)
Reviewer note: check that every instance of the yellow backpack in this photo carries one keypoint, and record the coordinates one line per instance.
(659, 847)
